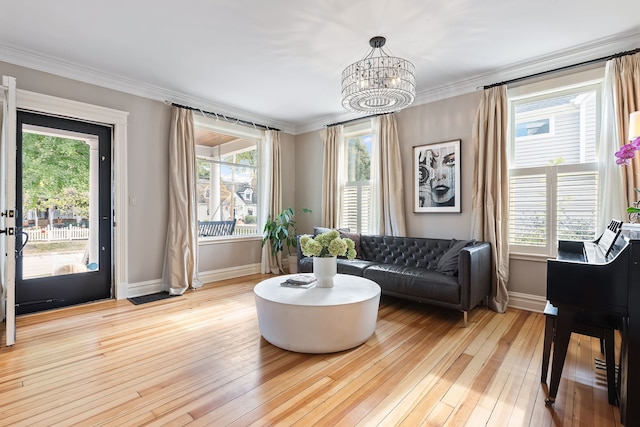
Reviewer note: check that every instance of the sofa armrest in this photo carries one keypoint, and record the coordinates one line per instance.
(474, 274)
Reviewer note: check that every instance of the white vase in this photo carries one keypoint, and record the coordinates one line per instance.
(325, 268)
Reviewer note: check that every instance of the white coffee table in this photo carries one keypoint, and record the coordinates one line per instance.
(317, 320)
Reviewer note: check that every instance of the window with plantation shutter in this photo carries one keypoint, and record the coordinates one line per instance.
(553, 177)
(356, 189)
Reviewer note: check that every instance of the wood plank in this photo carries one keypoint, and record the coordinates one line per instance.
(199, 359)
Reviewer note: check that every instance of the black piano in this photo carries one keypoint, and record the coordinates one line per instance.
(600, 277)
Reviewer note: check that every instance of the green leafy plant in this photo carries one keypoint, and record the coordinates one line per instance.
(281, 231)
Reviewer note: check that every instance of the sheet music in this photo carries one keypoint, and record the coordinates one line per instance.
(607, 240)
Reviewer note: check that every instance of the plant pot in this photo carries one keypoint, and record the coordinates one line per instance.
(325, 268)
(292, 263)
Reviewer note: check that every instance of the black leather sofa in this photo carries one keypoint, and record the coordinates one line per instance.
(449, 273)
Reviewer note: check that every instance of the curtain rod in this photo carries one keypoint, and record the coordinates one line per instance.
(355, 120)
(222, 116)
(567, 67)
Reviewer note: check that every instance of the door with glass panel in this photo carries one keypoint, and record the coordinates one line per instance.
(64, 226)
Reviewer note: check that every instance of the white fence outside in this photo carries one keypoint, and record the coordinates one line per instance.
(244, 229)
(49, 234)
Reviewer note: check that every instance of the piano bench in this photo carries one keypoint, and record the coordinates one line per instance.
(583, 323)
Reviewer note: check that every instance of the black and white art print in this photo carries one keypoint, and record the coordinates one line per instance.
(437, 177)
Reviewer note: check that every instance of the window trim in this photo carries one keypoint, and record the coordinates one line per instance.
(585, 80)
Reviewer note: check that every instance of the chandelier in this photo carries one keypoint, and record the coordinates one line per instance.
(378, 84)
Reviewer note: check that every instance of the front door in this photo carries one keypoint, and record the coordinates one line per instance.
(64, 234)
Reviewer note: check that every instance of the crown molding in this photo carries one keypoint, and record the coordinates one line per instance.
(585, 52)
(89, 75)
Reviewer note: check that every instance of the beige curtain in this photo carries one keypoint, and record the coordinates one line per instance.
(180, 260)
(386, 178)
(490, 188)
(626, 87)
(332, 141)
(272, 178)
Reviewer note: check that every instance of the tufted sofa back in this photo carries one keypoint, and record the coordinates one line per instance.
(403, 251)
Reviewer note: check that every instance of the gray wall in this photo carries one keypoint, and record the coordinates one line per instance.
(439, 121)
(302, 176)
(147, 155)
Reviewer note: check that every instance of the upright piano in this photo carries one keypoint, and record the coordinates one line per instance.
(601, 277)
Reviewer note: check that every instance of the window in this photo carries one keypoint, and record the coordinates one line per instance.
(227, 166)
(356, 188)
(553, 176)
(540, 127)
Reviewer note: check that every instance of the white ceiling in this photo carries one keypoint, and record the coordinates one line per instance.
(279, 62)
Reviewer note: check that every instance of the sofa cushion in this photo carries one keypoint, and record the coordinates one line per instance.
(354, 267)
(448, 263)
(416, 282)
(356, 240)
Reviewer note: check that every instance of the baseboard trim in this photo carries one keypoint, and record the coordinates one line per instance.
(152, 286)
(527, 302)
(228, 273)
(145, 288)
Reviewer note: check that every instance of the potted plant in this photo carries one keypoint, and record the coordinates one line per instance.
(281, 233)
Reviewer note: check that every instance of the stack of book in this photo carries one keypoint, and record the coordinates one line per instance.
(299, 281)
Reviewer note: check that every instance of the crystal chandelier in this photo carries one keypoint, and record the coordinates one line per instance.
(378, 84)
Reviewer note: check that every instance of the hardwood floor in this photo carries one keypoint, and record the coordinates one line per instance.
(199, 360)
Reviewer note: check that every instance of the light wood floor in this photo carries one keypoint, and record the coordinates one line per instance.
(199, 360)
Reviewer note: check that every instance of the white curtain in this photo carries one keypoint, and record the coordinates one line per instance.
(490, 188)
(387, 187)
(331, 175)
(180, 261)
(271, 205)
(612, 203)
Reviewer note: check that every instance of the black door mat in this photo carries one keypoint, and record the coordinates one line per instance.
(150, 298)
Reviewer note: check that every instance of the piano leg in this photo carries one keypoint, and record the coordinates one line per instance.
(610, 358)
(560, 347)
(549, 331)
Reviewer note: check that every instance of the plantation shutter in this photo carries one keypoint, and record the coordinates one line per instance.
(528, 210)
(577, 205)
(356, 205)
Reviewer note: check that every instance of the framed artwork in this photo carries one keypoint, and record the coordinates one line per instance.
(436, 172)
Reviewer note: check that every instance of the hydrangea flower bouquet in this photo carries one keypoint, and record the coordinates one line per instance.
(327, 245)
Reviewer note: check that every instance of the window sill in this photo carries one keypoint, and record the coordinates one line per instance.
(529, 257)
(227, 239)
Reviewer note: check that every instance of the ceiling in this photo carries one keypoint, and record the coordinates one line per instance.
(279, 62)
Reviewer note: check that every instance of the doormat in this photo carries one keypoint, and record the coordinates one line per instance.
(150, 298)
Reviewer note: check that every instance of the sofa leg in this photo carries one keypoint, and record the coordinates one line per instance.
(464, 318)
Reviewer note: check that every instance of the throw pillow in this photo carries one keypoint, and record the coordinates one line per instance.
(320, 230)
(448, 263)
(356, 240)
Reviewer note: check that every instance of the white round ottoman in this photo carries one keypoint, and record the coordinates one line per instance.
(317, 320)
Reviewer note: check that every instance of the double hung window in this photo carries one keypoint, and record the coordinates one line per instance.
(553, 170)
(227, 180)
(356, 178)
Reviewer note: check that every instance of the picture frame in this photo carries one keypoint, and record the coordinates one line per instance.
(436, 177)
